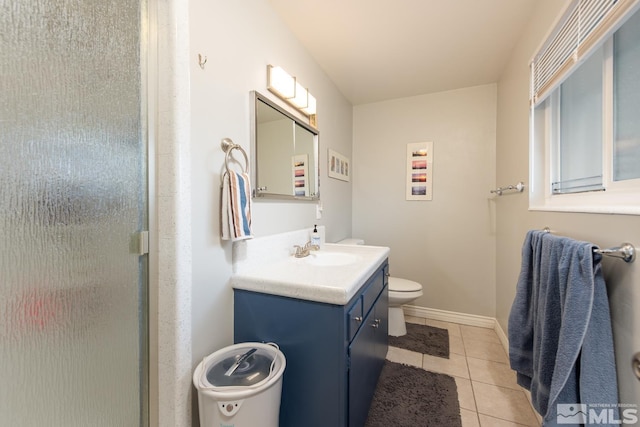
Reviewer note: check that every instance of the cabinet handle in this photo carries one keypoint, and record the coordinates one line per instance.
(358, 318)
(376, 323)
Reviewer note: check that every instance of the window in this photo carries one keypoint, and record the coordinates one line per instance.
(626, 92)
(578, 145)
(585, 125)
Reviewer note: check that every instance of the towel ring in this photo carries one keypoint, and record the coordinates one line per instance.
(227, 146)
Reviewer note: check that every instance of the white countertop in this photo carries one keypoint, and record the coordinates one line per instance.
(302, 278)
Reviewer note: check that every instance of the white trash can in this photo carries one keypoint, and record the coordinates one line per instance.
(240, 386)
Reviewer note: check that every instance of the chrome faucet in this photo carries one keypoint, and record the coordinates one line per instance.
(303, 251)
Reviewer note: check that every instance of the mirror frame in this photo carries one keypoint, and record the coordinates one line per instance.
(256, 193)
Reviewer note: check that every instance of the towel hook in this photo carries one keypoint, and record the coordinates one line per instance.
(201, 61)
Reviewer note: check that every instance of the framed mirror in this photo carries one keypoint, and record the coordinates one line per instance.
(285, 153)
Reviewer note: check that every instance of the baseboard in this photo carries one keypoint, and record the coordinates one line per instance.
(450, 316)
(502, 336)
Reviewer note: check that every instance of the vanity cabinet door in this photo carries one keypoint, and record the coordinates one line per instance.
(362, 377)
(381, 334)
(367, 353)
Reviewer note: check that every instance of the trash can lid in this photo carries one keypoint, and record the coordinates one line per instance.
(240, 367)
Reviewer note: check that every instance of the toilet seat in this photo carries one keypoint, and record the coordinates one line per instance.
(397, 284)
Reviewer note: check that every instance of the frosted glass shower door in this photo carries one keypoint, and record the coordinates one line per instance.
(73, 196)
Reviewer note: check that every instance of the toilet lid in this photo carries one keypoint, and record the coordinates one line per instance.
(403, 285)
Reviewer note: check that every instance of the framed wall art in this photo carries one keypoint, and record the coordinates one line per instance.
(419, 171)
(339, 166)
(300, 170)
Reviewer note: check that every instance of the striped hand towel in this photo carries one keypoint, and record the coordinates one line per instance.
(236, 206)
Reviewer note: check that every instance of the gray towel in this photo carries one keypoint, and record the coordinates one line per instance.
(560, 340)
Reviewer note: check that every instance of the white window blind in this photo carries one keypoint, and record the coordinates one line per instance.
(583, 26)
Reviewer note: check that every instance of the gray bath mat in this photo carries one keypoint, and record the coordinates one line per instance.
(423, 339)
(410, 397)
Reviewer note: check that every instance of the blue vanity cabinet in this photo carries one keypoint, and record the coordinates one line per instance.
(334, 353)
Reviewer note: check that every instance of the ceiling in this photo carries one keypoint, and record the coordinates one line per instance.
(375, 50)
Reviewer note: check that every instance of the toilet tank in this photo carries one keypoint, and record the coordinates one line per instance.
(351, 241)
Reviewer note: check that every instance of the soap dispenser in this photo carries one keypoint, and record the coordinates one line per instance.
(315, 236)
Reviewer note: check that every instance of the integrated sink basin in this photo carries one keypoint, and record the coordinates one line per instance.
(331, 275)
(331, 259)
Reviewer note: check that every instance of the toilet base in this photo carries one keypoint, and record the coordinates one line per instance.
(397, 325)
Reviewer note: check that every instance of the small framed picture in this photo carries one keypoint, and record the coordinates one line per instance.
(419, 171)
(339, 166)
(300, 171)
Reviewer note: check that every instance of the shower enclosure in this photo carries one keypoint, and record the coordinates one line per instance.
(73, 213)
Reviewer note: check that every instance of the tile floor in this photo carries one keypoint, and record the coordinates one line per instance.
(487, 389)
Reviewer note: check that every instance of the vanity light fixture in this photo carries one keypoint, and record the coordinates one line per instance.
(287, 87)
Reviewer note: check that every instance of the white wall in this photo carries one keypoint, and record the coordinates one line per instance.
(514, 219)
(446, 244)
(239, 39)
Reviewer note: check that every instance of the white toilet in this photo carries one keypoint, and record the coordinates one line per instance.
(401, 291)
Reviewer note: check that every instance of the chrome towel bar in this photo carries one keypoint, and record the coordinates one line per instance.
(519, 187)
(626, 251)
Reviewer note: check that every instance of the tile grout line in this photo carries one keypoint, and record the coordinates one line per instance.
(466, 361)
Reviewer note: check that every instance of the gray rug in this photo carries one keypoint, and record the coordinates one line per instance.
(423, 339)
(412, 397)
